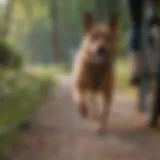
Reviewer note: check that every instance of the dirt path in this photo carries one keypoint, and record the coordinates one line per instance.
(60, 134)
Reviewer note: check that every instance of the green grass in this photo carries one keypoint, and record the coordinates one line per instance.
(21, 92)
(122, 76)
(56, 69)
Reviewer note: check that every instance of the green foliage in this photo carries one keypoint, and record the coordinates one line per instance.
(20, 93)
(9, 56)
(122, 38)
(122, 72)
(39, 40)
(42, 43)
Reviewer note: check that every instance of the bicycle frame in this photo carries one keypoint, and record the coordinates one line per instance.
(144, 80)
(149, 11)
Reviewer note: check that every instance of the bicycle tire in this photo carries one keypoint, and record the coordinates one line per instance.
(156, 104)
(152, 110)
(155, 109)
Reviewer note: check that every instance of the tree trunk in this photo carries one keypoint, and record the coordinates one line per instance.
(55, 36)
(5, 28)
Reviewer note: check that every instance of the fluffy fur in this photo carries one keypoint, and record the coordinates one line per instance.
(93, 69)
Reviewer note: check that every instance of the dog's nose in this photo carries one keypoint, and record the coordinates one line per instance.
(101, 50)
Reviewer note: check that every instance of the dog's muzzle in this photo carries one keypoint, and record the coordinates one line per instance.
(101, 51)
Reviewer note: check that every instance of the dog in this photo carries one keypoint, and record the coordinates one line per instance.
(93, 69)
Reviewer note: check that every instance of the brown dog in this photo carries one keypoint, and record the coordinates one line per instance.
(94, 67)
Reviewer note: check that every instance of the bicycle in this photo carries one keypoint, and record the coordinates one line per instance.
(150, 68)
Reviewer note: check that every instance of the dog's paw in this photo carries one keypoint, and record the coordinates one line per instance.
(83, 110)
(100, 129)
(93, 116)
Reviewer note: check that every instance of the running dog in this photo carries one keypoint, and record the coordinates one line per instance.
(93, 70)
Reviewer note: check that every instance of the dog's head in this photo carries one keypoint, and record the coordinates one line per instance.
(99, 39)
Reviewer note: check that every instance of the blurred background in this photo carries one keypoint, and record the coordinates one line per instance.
(48, 32)
(38, 39)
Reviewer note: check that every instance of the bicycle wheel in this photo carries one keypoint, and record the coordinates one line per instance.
(155, 35)
(153, 121)
(150, 56)
(145, 53)
(154, 69)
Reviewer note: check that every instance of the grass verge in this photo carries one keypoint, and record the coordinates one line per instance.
(122, 77)
(21, 92)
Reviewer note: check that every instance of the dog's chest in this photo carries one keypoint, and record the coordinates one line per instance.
(96, 74)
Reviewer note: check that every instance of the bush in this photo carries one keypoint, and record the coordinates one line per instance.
(21, 92)
(9, 56)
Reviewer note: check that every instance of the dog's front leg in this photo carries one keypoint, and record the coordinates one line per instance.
(106, 103)
(92, 103)
(79, 97)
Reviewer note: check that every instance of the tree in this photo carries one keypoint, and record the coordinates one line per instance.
(6, 19)
(55, 30)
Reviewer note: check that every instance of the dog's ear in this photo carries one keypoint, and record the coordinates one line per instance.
(88, 21)
(113, 22)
